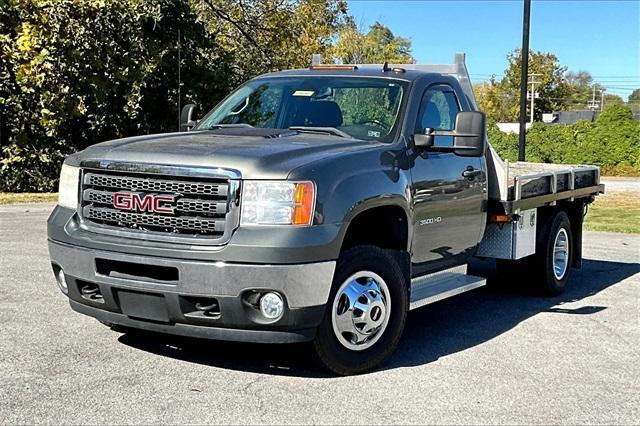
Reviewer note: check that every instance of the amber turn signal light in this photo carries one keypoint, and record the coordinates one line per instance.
(303, 201)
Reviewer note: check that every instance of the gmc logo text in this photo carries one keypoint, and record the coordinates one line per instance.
(144, 203)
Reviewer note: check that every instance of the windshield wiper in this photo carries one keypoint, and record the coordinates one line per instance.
(326, 130)
(227, 126)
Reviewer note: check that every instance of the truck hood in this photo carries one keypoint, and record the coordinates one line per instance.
(255, 157)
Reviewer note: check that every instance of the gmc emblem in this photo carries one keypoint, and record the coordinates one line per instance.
(144, 203)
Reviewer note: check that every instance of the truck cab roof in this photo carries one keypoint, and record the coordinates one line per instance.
(356, 71)
(456, 71)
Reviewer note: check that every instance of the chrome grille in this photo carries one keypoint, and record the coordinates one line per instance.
(201, 207)
(187, 205)
(155, 185)
(190, 223)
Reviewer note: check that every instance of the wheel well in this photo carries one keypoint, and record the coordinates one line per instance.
(385, 227)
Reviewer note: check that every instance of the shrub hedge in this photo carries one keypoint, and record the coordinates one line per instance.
(611, 142)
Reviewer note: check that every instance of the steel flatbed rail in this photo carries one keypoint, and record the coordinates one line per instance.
(534, 185)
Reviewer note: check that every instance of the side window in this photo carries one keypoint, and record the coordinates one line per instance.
(438, 111)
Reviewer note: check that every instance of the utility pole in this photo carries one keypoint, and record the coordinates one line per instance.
(524, 72)
(534, 95)
(179, 82)
(602, 99)
(592, 104)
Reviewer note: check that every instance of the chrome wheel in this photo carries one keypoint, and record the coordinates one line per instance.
(560, 254)
(361, 310)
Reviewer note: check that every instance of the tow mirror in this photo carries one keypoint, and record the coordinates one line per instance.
(424, 140)
(187, 117)
(468, 136)
(470, 139)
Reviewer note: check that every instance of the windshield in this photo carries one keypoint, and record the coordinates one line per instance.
(362, 108)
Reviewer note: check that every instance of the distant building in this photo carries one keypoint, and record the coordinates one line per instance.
(557, 117)
(548, 118)
(570, 117)
(511, 127)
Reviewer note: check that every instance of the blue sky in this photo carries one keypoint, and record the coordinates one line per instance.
(602, 37)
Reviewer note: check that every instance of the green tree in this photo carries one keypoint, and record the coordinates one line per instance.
(68, 78)
(499, 103)
(634, 101)
(378, 45)
(500, 98)
(552, 88)
(73, 73)
(610, 100)
(581, 90)
(271, 34)
(615, 114)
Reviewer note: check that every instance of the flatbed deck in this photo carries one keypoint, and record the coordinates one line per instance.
(533, 185)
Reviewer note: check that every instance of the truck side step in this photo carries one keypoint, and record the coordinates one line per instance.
(441, 285)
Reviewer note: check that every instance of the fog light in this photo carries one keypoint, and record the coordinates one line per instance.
(62, 281)
(271, 305)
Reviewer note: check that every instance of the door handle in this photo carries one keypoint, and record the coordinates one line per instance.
(471, 173)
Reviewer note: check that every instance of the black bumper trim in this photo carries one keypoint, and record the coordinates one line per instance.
(205, 332)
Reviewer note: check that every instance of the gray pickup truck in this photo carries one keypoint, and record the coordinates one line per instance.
(316, 205)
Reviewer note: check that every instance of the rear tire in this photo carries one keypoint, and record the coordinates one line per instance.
(365, 313)
(551, 265)
(548, 270)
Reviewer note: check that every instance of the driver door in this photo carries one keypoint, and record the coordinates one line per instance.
(448, 207)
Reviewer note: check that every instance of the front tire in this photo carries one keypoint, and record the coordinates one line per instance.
(366, 312)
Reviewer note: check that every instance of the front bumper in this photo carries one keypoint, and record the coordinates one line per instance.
(173, 285)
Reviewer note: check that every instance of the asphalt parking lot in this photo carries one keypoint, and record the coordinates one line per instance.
(488, 356)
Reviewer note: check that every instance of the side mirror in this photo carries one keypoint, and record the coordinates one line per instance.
(424, 140)
(187, 117)
(470, 139)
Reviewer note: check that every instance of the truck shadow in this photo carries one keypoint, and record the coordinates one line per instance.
(432, 332)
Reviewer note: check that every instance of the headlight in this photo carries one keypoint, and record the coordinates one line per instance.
(68, 188)
(277, 203)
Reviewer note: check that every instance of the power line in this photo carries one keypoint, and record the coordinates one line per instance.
(603, 82)
(616, 90)
(629, 80)
(592, 76)
(616, 76)
(616, 81)
(623, 87)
